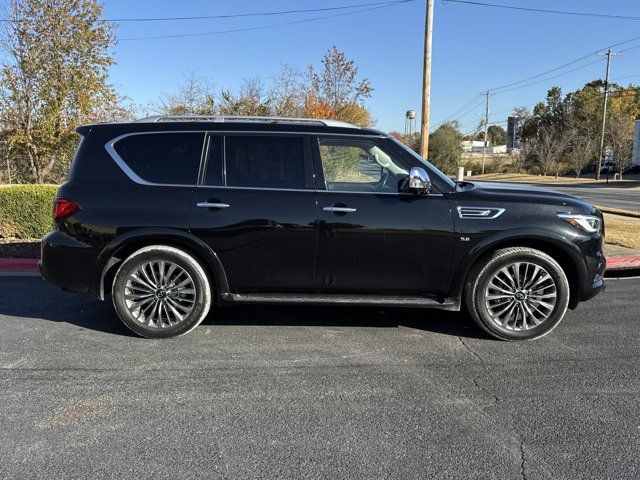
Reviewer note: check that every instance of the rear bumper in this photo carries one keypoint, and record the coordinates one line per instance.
(66, 262)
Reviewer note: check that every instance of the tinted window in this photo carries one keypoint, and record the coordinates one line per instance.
(172, 158)
(261, 161)
(213, 172)
(360, 166)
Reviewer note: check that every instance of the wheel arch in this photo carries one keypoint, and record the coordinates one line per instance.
(556, 246)
(124, 245)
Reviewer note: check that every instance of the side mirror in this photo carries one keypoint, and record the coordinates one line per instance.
(419, 181)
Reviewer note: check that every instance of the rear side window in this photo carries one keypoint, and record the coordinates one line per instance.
(264, 161)
(170, 158)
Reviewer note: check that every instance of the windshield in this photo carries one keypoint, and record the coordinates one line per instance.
(432, 169)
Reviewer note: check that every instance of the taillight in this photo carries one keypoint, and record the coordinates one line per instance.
(63, 208)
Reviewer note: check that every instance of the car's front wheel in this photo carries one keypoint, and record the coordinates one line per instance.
(517, 293)
(161, 291)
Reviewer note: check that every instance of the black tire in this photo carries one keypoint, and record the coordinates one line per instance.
(200, 300)
(475, 292)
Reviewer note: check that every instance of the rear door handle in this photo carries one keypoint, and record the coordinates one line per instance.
(339, 209)
(212, 205)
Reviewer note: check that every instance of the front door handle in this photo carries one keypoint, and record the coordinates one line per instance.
(212, 205)
(339, 209)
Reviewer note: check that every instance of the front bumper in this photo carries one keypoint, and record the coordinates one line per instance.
(596, 263)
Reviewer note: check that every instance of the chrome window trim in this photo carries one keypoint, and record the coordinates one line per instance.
(224, 187)
(110, 148)
(498, 211)
(409, 194)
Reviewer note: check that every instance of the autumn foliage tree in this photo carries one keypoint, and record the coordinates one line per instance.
(334, 91)
(337, 90)
(54, 77)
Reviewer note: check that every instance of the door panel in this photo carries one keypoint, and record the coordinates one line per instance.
(390, 243)
(373, 239)
(261, 220)
(266, 239)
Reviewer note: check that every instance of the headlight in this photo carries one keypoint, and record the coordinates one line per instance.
(588, 223)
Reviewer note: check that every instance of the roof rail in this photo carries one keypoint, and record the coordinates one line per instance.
(244, 118)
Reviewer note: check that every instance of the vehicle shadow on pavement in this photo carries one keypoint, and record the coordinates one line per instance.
(449, 323)
(31, 298)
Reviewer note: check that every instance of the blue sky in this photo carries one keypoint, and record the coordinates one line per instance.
(475, 48)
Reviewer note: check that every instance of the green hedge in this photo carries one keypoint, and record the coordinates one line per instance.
(26, 210)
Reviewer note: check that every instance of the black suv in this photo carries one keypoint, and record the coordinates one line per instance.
(171, 215)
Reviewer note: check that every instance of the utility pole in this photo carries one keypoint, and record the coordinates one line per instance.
(486, 128)
(426, 79)
(608, 54)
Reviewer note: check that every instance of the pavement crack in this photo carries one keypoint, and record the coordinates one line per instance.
(480, 387)
(470, 350)
(523, 473)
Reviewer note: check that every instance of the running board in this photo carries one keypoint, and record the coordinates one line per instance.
(336, 299)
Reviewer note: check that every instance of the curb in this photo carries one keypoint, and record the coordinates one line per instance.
(19, 264)
(30, 265)
(623, 263)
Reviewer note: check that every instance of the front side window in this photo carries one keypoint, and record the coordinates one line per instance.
(168, 158)
(360, 166)
(264, 161)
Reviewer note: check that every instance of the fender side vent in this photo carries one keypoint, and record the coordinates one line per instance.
(481, 213)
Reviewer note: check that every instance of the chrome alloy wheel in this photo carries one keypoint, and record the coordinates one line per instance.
(521, 296)
(160, 294)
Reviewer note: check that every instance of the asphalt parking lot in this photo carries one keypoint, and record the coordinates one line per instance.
(315, 393)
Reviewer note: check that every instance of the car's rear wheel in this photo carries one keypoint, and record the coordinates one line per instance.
(161, 292)
(517, 293)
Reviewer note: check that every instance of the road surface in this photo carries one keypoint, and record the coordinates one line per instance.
(315, 393)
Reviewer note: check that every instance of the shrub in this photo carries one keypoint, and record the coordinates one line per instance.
(25, 210)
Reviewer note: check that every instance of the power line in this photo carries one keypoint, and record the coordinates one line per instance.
(552, 77)
(462, 108)
(572, 62)
(242, 15)
(544, 73)
(262, 27)
(502, 88)
(543, 10)
(628, 76)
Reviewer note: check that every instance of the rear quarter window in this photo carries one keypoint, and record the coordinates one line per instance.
(168, 158)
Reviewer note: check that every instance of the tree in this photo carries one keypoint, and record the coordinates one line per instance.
(519, 158)
(548, 147)
(445, 147)
(582, 150)
(553, 114)
(337, 90)
(496, 135)
(54, 78)
(195, 96)
(620, 139)
(286, 95)
(252, 98)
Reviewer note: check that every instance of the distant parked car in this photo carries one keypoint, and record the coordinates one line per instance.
(174, 215)
(607, 167)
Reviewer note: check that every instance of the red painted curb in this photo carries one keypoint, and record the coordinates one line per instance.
(31, 264)
(18, 264)
(621, 263)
